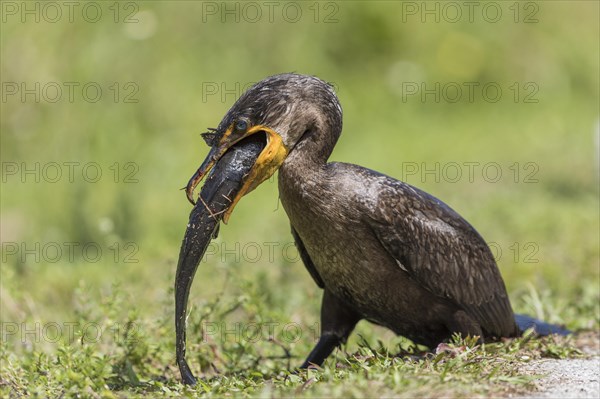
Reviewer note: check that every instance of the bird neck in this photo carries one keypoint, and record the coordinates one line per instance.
(301, 165)
(304, 165)
(300, 177)
(307, 160)
(316, 143)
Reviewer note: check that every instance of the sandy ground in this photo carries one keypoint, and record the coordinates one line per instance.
(567, 378)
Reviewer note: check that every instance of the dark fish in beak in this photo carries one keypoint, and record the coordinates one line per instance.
(271, 157)
(223, 184)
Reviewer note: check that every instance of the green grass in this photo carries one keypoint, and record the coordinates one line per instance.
(104, 327)
(114, 351)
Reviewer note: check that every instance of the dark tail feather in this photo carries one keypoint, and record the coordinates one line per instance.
(525, 322)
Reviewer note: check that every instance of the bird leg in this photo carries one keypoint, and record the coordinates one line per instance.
(337, 322)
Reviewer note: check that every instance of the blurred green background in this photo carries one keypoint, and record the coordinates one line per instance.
(169, 70)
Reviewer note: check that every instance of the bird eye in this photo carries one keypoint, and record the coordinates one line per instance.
(241, 125)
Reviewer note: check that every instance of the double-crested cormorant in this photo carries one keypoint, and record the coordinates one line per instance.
(381, 250)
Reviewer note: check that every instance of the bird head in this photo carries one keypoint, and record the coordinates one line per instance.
(287, 111)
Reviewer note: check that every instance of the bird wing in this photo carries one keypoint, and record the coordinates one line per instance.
(443, 252)
(308, 263)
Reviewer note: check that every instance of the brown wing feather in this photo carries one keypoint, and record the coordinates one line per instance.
(308, 263)
(443, 252)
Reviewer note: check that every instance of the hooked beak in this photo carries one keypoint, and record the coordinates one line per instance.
(268, 161)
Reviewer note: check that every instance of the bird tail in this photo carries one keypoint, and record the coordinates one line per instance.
(541, 328)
